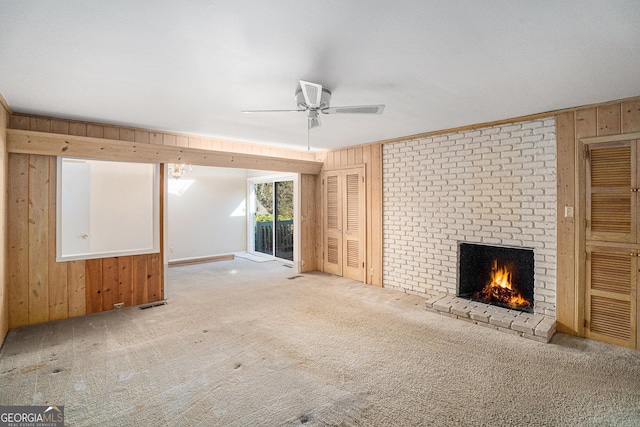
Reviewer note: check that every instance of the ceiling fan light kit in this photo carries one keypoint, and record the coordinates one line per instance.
(313, 98)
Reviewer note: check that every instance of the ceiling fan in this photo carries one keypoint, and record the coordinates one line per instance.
(313, 98)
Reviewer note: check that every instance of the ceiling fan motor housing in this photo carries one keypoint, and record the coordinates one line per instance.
(325, 98)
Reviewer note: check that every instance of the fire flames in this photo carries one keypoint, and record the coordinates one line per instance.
(500, 289)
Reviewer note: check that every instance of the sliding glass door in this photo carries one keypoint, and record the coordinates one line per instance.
(284, 219)
(273, 213)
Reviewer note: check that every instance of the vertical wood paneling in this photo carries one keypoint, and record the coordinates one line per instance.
(586, 123)
(169, 140)
(111, 132)
(586, 126)
(77, 288)
(366, 159)
(58, 281)
(308, 226)
(18, 236)
(127, 135)
(141, 136)
(329, 160)
(344, 157)
(40, 124)
(631, 116)
(95, 131)
(4, 291)
(125, 281)
(359, 155)
(155, 138)
(608, 120)
(566, 289)
(78, 129)
(182, 141)
(20, 122)
(59, 126)
(375, 224)
(109, 283)
(351, 155)
(93, 283)
(38, 239)
(195, 142)
(319, 223)
(140, 279)
(154, 271)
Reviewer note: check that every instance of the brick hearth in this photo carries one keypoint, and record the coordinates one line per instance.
(532, 326)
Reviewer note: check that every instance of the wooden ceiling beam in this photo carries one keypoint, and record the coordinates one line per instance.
(51, 144)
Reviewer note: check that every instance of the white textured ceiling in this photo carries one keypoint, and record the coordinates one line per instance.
(191, 66)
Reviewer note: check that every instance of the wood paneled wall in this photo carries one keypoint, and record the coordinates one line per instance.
(4, 291)
(309, 227)
(613, 118)
(41, 289)
(371, 156)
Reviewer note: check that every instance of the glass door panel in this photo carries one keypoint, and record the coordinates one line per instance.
(284, 220)
(263, 218)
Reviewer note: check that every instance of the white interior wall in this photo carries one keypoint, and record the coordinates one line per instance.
(209, 217)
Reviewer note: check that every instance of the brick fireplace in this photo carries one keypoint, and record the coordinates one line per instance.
(493, 186)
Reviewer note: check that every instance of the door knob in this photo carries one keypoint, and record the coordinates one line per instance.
(85, 236)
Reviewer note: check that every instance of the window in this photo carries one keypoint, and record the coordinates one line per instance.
(106, 209)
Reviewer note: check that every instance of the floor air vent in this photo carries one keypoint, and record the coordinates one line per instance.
(155, 304)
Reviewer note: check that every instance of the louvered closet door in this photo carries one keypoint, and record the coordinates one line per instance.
(611, 192)
(344, 223)
(611, 314)
(332, 245)
(612, 242)
(353, 225)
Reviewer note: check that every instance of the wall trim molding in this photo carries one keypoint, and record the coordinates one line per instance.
(190, 261)
(524, 118)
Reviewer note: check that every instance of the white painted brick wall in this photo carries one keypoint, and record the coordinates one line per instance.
(495, 185)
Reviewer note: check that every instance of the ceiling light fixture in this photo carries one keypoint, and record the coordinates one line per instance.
(178, 171)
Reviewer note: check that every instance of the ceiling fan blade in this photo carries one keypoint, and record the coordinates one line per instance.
(312, 93)
(356, 109)
(271, 111)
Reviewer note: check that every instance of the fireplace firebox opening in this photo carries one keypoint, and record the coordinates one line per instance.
(498, 275)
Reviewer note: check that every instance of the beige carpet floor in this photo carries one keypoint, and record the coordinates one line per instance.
(249, 344)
